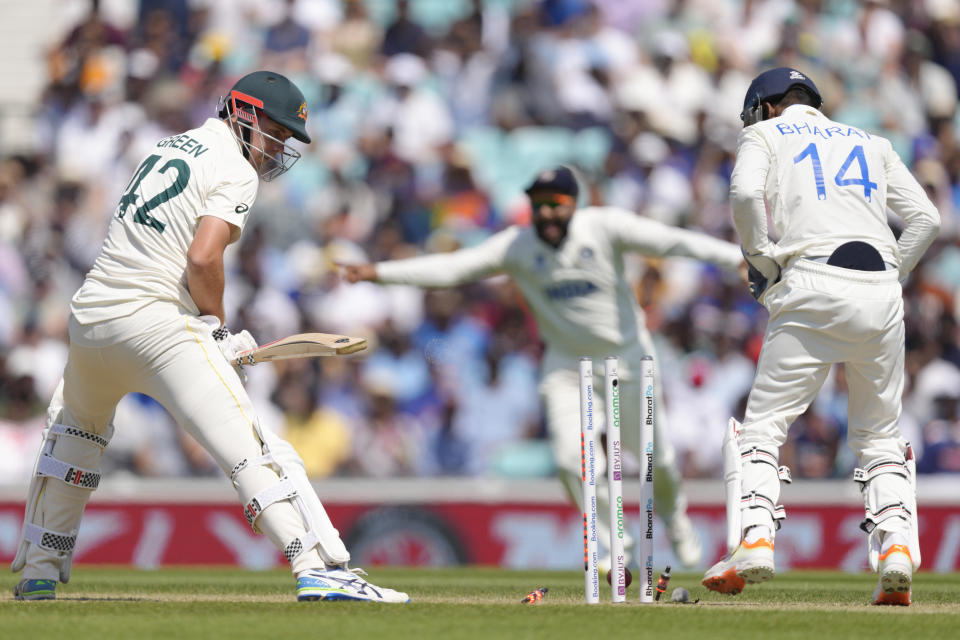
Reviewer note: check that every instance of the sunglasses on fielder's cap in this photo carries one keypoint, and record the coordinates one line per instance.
(552, 200)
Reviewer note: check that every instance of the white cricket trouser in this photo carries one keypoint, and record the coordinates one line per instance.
(171, 356)
(560, 390)
(821, 315)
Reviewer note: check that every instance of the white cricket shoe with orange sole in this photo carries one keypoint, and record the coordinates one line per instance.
(751, 562)
(896, 576)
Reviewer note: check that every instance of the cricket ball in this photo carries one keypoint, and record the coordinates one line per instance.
(626, 574)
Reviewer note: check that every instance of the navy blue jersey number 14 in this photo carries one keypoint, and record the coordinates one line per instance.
(810, 151)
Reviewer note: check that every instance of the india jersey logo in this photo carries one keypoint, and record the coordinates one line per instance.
(567, 289)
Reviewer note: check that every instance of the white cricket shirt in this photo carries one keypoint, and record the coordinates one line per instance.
(198, 173)
(825, 184)
(577, 292)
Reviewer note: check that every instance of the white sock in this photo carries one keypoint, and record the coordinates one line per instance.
(756, 532)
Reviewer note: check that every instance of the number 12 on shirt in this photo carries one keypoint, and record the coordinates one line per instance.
(810, 151)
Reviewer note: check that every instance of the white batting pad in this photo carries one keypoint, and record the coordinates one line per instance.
(760, 489)
(279, 476)
(66, 455)
(889, 499)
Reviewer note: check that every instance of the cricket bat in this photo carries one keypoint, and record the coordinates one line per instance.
(302, 345)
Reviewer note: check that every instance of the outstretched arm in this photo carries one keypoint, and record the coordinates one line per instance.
(649, 237)
(440, 269)
(358, 272)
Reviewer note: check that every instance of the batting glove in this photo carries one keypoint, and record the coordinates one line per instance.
(231, 344)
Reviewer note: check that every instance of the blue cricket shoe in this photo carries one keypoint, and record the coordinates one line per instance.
(35, 589)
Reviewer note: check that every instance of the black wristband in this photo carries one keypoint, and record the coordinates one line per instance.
(220, 332)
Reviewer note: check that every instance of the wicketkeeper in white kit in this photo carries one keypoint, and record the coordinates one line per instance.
(569, 267)
(831, 284)
(149, 318)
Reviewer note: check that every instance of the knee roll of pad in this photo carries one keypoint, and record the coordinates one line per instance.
(86, 445)
(888, 488)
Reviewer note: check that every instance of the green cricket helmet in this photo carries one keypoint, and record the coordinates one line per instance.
(275, 96)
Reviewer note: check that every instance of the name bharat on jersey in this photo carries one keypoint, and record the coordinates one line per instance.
(826, 133)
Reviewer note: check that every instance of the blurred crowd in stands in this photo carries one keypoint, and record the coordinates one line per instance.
(428, 118)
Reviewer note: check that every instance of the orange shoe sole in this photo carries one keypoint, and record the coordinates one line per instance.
(727, 582)
(895, 599)
(894, 589)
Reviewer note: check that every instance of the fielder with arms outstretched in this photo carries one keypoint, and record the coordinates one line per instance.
(149, 318)
(569, 268)
(832, 287)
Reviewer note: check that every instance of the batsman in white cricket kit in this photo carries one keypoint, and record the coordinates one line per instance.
(569, 268)
(136, 326)
(831, 284)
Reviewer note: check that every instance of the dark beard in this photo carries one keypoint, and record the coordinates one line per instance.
(541, 226)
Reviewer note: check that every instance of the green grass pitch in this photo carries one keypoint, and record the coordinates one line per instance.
(186, 603)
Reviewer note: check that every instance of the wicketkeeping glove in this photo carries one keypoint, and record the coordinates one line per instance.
(762, 273)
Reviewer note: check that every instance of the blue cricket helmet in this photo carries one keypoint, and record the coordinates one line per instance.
(770, 85)
(559, 179)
